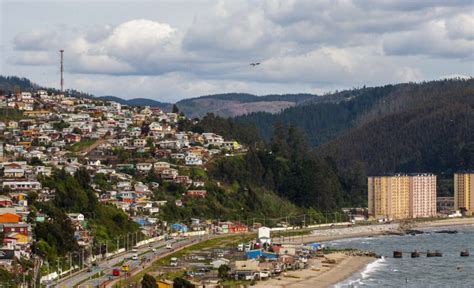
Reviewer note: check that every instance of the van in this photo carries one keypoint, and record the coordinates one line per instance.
(240, 247)
(174, 261)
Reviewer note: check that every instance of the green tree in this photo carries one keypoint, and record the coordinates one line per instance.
(149, 281)
(175, 109)
(223, 271)
(76, 130)
(179, 282)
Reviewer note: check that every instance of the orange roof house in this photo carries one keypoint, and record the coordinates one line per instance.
(9, 218)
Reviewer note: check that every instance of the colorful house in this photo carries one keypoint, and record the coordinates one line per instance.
(9, 218)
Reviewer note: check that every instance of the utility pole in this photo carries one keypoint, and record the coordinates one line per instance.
(82, 259)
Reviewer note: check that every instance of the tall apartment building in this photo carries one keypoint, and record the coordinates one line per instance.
(402, 196)
(464, 191)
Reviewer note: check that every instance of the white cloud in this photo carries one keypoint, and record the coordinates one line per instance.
(461, 26)
(432, 39)
(304, 45)
(36, 40)
(34, 58)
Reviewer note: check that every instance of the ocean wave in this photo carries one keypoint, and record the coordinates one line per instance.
(360, 277)
(373, 267)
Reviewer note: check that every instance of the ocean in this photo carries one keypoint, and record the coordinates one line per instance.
(450, 270)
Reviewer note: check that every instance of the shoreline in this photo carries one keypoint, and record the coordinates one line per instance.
(321, 274)
(324, 235)
(346, 266)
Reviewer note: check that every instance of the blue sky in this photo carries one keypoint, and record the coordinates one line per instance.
(170, 50)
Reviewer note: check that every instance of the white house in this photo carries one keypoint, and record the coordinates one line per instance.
(139, 142)
(193, 160)
(263, 236)
(144, 167)
(76, 217)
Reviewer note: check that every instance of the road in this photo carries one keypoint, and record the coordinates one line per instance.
(106, 267)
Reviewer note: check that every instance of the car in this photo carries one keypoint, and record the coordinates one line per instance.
(174, 261)
(135, 256)
(125, 268)
(240, 247)
(169, 246)
(204, 270)
(115, 272)
(153, 250)
(134, 249)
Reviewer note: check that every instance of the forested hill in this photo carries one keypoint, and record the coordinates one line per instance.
(14, 84)
(425, 128)
(324, 121)
(404, 127)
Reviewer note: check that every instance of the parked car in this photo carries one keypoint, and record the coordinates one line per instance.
(265, 274)
(169, 246)
(174, 261)
(125, 268)
(135, 256)
(115, 272)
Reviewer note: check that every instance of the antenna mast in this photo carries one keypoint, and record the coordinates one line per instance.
(62, 70)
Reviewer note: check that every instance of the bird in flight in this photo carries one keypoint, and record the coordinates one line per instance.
(254, 64)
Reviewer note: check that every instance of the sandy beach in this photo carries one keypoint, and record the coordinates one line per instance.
(320, 274)
(327, 275)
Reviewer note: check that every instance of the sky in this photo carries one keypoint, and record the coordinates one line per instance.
(175, 49)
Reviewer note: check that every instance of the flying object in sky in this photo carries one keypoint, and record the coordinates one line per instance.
(254, 64)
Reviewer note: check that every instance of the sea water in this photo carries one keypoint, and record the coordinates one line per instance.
(450, 270)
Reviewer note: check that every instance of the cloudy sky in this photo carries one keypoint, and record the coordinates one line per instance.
(174, 49)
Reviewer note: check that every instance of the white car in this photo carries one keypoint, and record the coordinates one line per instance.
(168, 246)
(153, 250)
(174, 261)
(135, 256)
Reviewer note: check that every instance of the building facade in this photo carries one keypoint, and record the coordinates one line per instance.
(402, 196)
(464, 192)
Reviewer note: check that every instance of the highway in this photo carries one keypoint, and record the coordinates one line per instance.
(145, 253)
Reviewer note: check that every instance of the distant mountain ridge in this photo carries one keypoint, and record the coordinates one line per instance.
(236, 104)
(137, 102)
